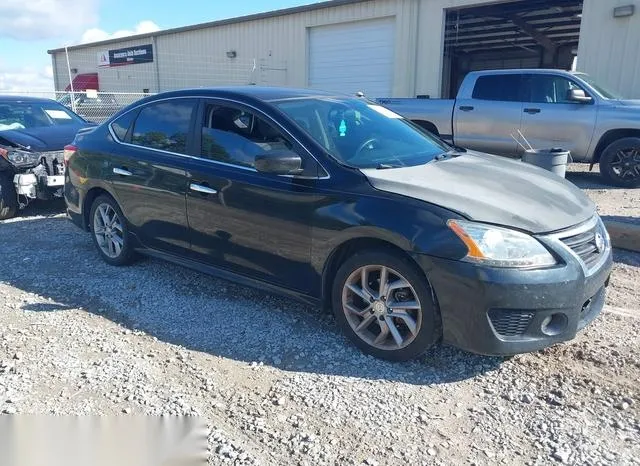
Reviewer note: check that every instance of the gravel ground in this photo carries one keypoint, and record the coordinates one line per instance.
(276, 381)
(615, 203)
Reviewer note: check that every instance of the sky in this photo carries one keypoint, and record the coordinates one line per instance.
(28, 28)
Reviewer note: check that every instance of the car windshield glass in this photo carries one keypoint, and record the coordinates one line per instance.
(24, 115)
(362, 134)
(599, 88)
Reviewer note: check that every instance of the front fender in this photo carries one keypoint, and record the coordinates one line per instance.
(405, 223)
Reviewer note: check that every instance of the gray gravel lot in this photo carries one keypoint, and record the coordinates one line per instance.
(277, 382)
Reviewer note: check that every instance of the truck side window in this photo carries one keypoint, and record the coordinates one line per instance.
(499, 87)
(550, 89)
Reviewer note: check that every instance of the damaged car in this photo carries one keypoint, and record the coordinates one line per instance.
(33, 133)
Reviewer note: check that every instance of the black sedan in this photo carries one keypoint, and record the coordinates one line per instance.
(338, 201)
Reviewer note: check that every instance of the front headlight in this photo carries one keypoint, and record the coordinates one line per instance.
(21, 158)
(500, 247)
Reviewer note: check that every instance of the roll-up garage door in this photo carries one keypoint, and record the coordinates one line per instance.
(352, 57)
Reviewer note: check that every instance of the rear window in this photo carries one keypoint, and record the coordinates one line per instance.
(122, 124)
(501, 87)
(164, 125)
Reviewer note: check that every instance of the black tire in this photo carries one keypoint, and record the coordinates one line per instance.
(126, 254)
(8, 196)
(429, 327)
(620, 163)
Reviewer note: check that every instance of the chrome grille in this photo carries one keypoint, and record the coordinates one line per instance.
(589, 243)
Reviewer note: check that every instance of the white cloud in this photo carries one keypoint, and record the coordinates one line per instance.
(95, 34)
(44, 19)
(26, 80)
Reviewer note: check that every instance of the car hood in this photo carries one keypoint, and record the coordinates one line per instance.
(491, 189)
(42, 139)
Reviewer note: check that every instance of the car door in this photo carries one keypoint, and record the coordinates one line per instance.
(550, 119)
(247, 222)
(148, 175)
(491, 117)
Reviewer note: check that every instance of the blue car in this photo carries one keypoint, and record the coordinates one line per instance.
(33, 133)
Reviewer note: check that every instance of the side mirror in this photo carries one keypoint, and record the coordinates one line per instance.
(579, 96)
(284, 162)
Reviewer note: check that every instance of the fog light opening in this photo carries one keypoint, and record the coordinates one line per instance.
(554, 324)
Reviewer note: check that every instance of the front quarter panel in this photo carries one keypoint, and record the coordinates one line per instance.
(413, 226)
(613, 117)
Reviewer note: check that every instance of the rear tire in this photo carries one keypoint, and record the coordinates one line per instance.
(398, 322)
(110, 232)
(620, 163)
(8, 197)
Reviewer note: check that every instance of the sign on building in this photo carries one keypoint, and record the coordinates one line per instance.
(126, 56)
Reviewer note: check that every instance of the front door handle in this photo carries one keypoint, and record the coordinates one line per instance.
(532, 111)
(122, 172)
(202, 189)
(466, 108)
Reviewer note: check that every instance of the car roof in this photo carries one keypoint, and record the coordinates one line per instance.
(20, 98)
(524, 71)
(256, 92)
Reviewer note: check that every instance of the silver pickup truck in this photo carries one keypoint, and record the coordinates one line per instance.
(551, 108)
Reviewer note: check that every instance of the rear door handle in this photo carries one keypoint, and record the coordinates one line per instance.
(532, 111)
(202, 189)
(122, 172)
(466, 108)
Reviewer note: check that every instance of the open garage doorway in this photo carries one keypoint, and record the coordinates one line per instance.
(514, 34)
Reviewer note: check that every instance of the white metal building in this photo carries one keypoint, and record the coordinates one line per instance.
(400, 48)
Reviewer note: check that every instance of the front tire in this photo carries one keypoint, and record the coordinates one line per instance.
(620, 163)
(110, 232)
(384, 305)
(8, 197)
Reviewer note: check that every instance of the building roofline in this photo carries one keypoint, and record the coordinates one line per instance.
(221, 22)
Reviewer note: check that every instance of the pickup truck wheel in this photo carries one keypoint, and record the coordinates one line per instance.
(110, 232)
(620, 163)
(384, 305)
(8, 197)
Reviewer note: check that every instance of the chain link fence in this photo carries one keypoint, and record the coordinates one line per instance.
(90, 105)
(96, 92)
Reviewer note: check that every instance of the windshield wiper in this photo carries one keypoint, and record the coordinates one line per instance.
(447, 155)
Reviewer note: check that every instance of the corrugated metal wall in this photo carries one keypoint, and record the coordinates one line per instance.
(608, 48)
(274, 51)
(132, 78)
(269, 51)
(279, 44)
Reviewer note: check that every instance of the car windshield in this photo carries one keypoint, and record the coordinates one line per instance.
(599, 88)
(25, 115)
(362, 134)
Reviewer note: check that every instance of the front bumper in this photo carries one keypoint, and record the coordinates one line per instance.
(39, 185)
(495, 311)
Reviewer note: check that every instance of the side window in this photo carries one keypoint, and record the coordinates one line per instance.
(499, 87)
(121, 125)
(164, 125)
(549, 89)
(235, 136)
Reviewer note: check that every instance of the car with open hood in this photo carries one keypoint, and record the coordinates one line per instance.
(340, 202)
(33, 133)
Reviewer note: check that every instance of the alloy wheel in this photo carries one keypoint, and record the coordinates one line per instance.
(382, 307)
(108, 230)
(626, 164)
